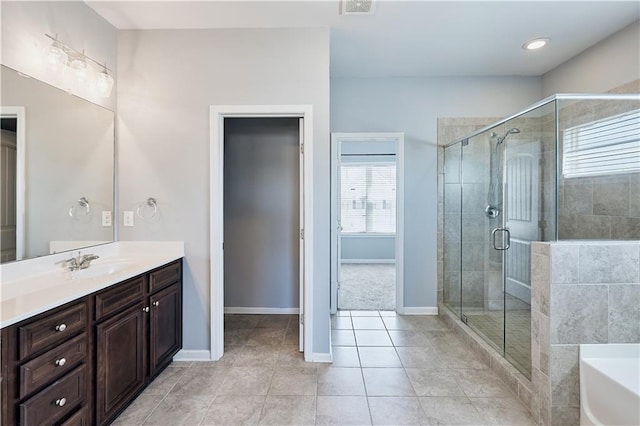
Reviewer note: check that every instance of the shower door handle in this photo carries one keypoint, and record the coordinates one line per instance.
(508, 240)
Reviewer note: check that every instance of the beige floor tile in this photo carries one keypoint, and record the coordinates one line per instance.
(450, 411)
(502, 411)
(428, 382)
(234, 410)
(388, 313)
(481, 384)
(367, 323)
(237, 321)
(180, 410)
(185, 364)
(342, 410)
(372, 338)
(408, 338)
(342, 338)
(237, 336)
(258, 356)
(341, 323)
(395, 410)
(387, 382)
(419, 357)
(292, 336)
(453, 352)
(343, 313)
(291, 356)
(428, 323)
(200, 381)
(289, 410)
(138, 411)
(266, 336)
(294, 381)
(345, 356)
(247, 381)
(162, 384)
(273, 321)
(373, 356)
(340, 381)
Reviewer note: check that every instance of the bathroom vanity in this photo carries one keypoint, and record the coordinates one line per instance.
(84, 360)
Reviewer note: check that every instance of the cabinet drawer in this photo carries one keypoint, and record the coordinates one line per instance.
(51, 329)
(165, 276)
(119, 296)
(55, 401)
(80, 418)
(53, 364)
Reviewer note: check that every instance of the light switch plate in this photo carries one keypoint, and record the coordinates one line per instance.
(128, 218)
(106, 218)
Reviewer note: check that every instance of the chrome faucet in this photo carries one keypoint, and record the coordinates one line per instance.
(79, 262)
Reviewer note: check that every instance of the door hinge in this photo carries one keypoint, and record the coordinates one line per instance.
(301, 148)
(301, 319)
(302, 234)
(338, 284)
(222, 246)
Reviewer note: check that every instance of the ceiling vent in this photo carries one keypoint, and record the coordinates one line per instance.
(358, 7)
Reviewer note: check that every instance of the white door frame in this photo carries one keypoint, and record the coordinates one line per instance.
(217, 115)
(19, 114)
(398, 138)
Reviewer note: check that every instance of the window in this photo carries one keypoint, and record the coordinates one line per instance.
(603, 147)
(368, 198)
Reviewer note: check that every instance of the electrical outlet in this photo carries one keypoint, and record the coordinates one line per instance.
(128, 218)
(106, 218)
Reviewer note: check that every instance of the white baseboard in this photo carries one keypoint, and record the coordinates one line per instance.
(368, 261)
(319, 357)
(420, 310)
(193, 355)
(268, 311)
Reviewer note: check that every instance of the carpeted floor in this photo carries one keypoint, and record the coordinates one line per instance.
(367, 286)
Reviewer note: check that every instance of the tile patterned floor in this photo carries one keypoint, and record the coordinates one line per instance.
(395, 370)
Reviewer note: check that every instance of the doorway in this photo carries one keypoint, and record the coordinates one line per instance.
(367, 215)
(261, 223)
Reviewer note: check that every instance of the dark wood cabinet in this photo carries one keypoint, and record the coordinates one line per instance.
(165, 331)
(83, 363)
(120, 360)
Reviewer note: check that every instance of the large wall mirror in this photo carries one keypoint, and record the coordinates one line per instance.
(56, 170)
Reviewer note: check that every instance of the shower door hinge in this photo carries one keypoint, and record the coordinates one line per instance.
(302, 234)
(464, 318)
(465, 142)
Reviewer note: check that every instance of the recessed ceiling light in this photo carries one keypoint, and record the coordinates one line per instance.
(536, 43)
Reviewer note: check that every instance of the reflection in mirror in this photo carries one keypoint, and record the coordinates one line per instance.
(56, 169)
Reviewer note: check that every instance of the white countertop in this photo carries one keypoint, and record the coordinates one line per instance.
(33, 286)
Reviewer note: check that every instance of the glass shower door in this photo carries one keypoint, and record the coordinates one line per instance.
(484, 238)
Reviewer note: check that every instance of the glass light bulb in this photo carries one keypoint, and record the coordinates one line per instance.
(57, 58)
(79, 66)
(104, 84)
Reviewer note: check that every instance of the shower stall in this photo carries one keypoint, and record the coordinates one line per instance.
(568, 167)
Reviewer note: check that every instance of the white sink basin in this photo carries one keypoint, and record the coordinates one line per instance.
(97, 270)
(610, 384)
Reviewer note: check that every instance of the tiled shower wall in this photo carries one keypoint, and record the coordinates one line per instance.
(583, 292)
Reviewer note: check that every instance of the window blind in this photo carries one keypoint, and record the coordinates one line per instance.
(368, 198)
(603, 147)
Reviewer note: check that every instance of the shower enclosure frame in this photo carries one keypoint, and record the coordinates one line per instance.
(552, 103)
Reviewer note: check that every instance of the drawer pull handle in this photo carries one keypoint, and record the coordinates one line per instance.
(60, 362)
(60, 402)
(61, 327)
(156, 303)
(145, 309)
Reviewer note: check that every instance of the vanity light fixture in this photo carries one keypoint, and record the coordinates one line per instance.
(77, 65)
(536, 43)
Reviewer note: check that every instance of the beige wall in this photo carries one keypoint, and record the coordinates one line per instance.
(611, 63)
(168, 81)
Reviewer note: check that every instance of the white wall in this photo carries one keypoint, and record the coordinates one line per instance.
(168, 79)
(611, 63)
(24, 44)
(412, 105)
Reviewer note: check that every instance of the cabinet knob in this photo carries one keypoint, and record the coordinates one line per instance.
(60, 362)
(145, 309)
(61, 327)
(156, 303)
(60, 402)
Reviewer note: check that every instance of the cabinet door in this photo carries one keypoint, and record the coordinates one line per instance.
(166, 326)
(120, 360)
